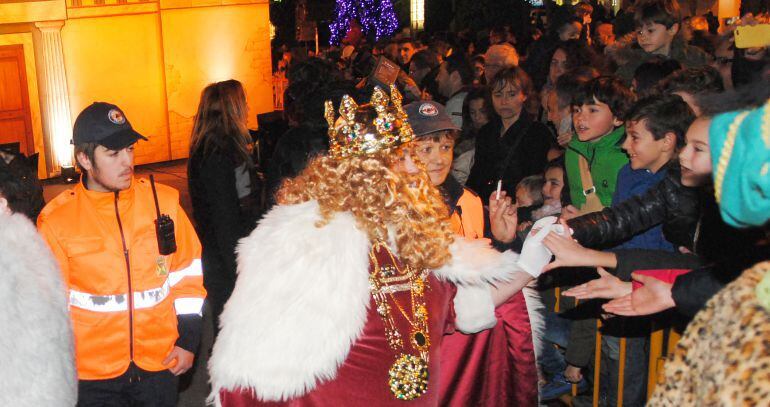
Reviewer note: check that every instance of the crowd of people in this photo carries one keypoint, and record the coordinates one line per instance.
(490, 225)
(600, 120)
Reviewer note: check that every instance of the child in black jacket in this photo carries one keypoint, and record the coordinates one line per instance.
(706, 242)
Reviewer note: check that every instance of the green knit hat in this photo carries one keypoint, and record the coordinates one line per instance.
(740, 153)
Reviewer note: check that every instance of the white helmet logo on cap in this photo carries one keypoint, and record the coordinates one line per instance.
(116, 116)
(427, 109)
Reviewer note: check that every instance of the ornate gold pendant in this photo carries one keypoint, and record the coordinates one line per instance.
(408, 377)
(420, 340)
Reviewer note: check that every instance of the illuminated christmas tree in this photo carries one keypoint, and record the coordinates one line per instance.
(376, 17)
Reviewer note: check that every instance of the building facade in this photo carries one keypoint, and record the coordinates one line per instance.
(152, 58)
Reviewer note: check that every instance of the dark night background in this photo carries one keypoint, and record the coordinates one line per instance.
(440, 15)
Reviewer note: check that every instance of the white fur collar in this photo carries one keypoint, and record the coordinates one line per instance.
(302, 297)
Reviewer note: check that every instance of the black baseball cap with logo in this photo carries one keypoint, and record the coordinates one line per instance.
(106, 125)
(428, 117)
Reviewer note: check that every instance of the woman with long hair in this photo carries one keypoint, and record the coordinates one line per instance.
(221, 184)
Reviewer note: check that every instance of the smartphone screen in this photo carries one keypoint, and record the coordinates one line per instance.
(752, 36)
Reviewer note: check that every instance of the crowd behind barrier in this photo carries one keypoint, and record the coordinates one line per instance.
(624, 156)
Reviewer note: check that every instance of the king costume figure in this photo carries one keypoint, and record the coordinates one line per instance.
(346, 288)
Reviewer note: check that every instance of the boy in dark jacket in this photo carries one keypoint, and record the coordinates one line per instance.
(658, 23)
(655, 129)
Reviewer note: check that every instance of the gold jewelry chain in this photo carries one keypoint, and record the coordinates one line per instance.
(417, 287)
(408, 376)
(420, 338)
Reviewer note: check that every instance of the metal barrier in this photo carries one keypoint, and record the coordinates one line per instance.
(656, 373)
(659, 337)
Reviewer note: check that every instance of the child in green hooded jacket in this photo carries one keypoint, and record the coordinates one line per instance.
(598, 110)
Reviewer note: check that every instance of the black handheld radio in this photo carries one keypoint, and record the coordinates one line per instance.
(164, 226)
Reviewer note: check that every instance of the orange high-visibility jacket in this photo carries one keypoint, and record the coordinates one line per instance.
(124, 297)
(469, 220)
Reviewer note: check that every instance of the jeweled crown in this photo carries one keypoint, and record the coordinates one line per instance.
(378, 125)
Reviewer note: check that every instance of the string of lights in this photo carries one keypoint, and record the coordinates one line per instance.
(375, 17)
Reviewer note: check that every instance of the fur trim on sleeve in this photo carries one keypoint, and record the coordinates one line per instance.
(37, 357)
(474, 308)
(475, 261)
(474, 267)
(296, 281)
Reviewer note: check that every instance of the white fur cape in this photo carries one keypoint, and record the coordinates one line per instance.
(37, 364)
(302, 297)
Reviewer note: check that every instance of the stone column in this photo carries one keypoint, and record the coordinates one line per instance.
(56, 106)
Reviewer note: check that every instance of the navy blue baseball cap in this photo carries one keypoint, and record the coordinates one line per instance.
(427, 117)
(106, 125)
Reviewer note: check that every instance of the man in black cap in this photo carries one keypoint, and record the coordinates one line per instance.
(104, 127)
(135, 289)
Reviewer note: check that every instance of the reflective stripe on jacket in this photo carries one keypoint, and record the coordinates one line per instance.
(123, 304)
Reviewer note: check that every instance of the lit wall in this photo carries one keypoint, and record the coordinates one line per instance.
(208, 44)
(118, 59)
(150, 57)
(13, 12)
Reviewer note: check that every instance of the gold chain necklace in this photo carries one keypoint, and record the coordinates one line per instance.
(408, 376)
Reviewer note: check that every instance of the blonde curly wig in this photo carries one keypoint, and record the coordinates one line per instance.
(378, 196)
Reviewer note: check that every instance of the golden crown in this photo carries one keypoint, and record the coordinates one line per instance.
(369, 128)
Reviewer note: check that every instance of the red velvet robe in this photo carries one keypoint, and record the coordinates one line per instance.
(495, 367)
(362, 380)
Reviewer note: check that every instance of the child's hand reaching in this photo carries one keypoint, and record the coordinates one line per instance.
(606, 286)
(568, 252)
(653, 297)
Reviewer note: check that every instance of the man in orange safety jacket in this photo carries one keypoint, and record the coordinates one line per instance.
(136, 313)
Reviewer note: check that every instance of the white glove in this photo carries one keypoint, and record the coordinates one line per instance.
(534, 255)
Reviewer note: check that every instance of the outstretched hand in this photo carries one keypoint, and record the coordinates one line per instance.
(568, 252)
(534, 255)
(653, 297)
(606, 286)
(503, 218)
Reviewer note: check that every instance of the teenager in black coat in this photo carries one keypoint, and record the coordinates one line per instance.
(511, 146)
